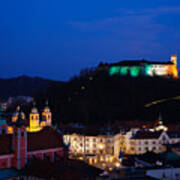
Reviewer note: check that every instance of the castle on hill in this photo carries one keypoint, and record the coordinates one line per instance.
(142, 68)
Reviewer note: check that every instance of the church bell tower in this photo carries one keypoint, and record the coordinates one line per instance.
(19, 143)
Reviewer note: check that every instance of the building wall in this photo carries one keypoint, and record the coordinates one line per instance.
(89, 144)
(6, 161)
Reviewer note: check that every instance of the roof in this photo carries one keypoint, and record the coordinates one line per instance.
(5, 144)
(47, 138)
(139, 63)
(87, 131)
(147, 135)
(174, 134)
(3, 121)
(63, 169)
(177, 145)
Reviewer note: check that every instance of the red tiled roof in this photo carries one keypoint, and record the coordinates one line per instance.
(5, 144)
(45, 139)
(147, 135)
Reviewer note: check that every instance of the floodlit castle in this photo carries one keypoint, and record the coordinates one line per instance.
(33, 124)
(142, 68)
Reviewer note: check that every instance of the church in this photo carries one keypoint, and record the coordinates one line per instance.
(33, 124)
(39, 140)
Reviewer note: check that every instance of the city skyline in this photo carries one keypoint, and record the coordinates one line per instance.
(56, 40)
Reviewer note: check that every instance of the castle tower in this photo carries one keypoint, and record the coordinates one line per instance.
(173, 68)
(47, 115)
(16, 113)
(174, 59)
(19, 143)
(34, 124)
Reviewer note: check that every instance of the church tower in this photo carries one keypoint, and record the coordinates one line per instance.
(159, 125)
(47, 115)
(16, 113)
(34, 124)
(19, 143)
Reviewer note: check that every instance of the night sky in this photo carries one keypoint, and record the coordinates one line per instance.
(55, 39)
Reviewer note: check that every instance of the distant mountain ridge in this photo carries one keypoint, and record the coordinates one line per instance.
(24, 86)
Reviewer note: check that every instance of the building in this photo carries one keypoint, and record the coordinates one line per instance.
(90, 144)
(135, 68)
(17, 149)
(111, 146)
(33, 124)
(144, 141)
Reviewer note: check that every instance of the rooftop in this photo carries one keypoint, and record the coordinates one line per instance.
(147, 135)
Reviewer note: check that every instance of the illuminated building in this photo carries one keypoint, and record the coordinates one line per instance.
(47, 115)
(144, 141)
(109, 147)
(93, 146)
(15, 114)
(159, 125)
(34, 121)
(33, 124)
(20, 147)
(142, 68)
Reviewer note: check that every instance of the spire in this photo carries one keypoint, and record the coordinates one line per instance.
(47, 103)
(20, 121)
(34, 109)
(34, 103)
(160, 117)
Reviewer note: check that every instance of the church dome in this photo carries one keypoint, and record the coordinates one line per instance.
(34, 110)
(16, 113)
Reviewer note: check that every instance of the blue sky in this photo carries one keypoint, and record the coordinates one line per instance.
(55, 39)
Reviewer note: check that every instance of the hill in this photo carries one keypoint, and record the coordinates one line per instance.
(23, 86)
(97, 98)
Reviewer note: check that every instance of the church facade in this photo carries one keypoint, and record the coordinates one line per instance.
(34, 123)
(20, 146)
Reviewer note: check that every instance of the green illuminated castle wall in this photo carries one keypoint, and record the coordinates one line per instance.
(133, 71)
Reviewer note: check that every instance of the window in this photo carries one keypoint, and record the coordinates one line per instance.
(146, 142)
(154, 142)
(132, 149)
(94, 139)
(139, 149)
